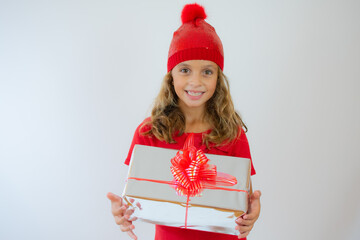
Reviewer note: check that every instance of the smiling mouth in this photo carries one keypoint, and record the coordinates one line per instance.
(194, 93)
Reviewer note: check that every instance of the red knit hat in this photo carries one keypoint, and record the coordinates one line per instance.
(195, 39)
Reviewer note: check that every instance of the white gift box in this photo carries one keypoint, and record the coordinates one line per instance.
(215, 210)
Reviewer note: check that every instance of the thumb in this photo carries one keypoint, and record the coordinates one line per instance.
(256, 195)
(113, 197)
(254, 206)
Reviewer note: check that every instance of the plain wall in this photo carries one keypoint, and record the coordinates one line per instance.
(77, 77)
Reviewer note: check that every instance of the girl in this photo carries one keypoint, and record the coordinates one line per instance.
(194, 98)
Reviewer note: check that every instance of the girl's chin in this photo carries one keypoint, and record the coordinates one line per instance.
(193, 105)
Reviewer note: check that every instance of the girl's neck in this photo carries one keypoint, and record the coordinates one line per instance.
(194, 120)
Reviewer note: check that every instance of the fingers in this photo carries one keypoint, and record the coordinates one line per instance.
(128, 213)
(113, 197)
(131, 219)
(244, 225)
(120, 220)
(243, 222)
(126, 225)
(246, 222)
(122, 214)
(125, 218)
(252, 216)
(243, 235)
(116, 201)
(118, 210)
(138, 205)
(125, 222)
(118, 207)
(243, 229)
(132, 235)
(254, 206)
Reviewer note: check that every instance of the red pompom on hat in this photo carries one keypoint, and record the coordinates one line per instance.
(191, 12)
(195, 39)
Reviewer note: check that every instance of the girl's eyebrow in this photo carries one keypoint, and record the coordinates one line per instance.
(187, 65)
(209, 66)
(184, 65)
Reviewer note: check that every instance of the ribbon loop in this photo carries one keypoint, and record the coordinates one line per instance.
(192, 172)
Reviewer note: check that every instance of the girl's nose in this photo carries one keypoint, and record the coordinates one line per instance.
(195, 80)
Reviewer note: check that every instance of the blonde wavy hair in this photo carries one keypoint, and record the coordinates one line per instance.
(167, 118)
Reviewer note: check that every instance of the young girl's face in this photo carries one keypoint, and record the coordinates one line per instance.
(195, 82)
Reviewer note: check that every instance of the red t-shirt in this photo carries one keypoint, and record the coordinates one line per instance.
(237, 148)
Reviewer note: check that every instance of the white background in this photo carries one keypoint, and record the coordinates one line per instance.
(77, 77)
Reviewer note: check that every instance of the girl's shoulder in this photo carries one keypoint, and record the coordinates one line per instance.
(241, 137)
(144, 126)
(236, 147)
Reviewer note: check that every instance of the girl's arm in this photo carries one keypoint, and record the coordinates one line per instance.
(246, 222)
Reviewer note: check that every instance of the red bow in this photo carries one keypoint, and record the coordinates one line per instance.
(192, 173)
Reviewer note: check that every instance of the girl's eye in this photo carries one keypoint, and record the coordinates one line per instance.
(208, 72)
(184, 70)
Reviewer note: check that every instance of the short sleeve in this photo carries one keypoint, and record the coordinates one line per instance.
(242, 149)
(137, 139)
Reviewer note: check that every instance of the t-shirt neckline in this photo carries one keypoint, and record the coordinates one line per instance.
(207, 131)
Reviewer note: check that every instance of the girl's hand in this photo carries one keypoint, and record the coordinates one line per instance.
(246, 222)
(122, 214)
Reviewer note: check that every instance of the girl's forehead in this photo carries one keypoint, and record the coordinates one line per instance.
(197, 63)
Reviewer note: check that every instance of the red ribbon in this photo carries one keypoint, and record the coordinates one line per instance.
(192, 174)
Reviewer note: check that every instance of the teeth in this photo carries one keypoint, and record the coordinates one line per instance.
(194, 93)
